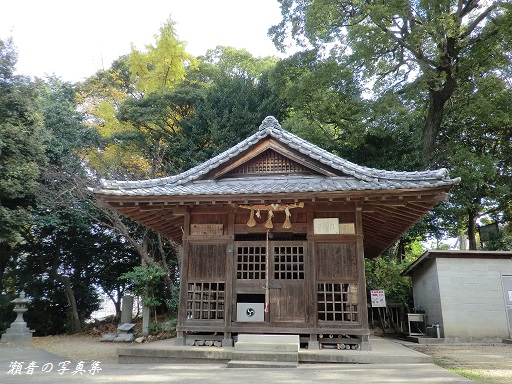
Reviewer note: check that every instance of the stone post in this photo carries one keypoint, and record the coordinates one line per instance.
(146, 313)
(126, 309)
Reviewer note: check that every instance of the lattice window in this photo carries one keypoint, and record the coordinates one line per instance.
(250, 263)
(205, 301)
(289, 262)
(270, 162)
(337, 302)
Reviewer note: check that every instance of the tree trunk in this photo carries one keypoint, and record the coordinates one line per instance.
(70, 296)
(472, 230)
(5, 255)
(400, 250)
(439, 94)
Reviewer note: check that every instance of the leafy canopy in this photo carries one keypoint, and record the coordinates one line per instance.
(434, 44)
(163, 65)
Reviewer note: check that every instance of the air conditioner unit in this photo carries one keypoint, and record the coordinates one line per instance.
(250, 312)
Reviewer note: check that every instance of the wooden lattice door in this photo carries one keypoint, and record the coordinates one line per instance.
(286, 276)
(288, 282)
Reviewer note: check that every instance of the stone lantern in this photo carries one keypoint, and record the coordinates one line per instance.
(18, 331)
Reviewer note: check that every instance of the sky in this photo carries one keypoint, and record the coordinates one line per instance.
(73, 39)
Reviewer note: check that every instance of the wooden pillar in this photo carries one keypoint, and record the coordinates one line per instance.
(361, 282)
(312, 316)
(182, 308)
(230, 278)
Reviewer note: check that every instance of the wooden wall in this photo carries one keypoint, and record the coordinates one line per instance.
(326, 295)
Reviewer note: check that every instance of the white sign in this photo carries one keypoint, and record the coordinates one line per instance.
(326, 226)
(378, 298)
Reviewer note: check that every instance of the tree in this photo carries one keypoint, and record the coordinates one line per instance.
(433, 44)
(99, 99)
(236, 93)
(22, 153)
(212, 109)
(323, 99)
(476, 143)
(137, 149)
(163, 65)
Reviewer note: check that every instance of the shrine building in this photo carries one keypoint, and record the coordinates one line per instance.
(273, 234)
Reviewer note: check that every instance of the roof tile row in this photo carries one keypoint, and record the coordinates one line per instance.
(361, 178)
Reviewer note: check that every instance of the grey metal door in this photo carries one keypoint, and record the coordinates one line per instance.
(507, 290)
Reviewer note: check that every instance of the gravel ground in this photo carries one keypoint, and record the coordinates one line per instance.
(493, 362)
(78, 347)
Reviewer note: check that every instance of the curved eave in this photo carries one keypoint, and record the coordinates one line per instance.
(386, 214)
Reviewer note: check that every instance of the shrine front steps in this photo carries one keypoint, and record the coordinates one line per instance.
(165, 351)
(266, 351)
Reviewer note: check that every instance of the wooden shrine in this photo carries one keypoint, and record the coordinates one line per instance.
(273, 235)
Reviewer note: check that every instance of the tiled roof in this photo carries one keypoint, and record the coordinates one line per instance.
(358, 178)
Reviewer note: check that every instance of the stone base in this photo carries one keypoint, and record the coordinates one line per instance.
(124, 337)
(18, 332)
(108, 337)
(365, 346)
(17, 338)
(313, 345)
(124, 334)
(426, 340)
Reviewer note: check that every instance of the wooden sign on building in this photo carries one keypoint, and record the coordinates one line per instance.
(207, 229)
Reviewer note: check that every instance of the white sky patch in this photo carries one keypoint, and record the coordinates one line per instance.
(74, 39)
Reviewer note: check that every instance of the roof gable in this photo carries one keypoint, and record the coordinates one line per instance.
(264, 163)
(271, 157)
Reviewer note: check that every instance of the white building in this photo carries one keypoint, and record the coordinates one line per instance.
(469, 293)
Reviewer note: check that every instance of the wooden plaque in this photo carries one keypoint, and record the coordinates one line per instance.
(326, 226)
(347, 229)
(207, 229)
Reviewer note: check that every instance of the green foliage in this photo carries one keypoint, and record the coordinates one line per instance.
(498, 242)
(394, 44)
(155, 328)
(163, 65)
(21, 147)
(322, 96)
(63, 124)
(147, 282)
(212, 110)
(477, 147)
(384, 273)
(173, 302)
(7, 315)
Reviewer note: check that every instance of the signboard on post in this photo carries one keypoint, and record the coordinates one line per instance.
(378, 298)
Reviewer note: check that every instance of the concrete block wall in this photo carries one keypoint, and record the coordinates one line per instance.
(427, 295)
(472, 298)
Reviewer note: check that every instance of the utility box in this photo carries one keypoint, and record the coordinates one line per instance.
(250, 312)
(417, 324)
